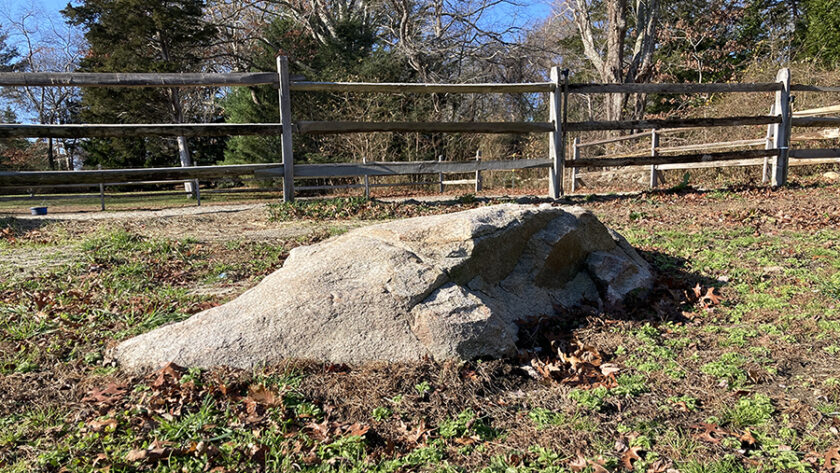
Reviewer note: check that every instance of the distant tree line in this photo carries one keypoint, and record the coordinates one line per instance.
(378, 41)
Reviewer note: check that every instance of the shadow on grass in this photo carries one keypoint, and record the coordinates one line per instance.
(671, 298)
(15, 227)
(679, 191)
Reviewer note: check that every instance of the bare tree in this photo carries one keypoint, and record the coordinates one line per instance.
(322, 17)
(240, 25)
(446, 39)
(45, 43)
(628, 30)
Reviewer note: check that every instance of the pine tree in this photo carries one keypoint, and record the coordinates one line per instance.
(821, 40)
(353, 54)
(139, 36)
(7, 54)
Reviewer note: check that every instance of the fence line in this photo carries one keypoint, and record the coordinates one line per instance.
(780, 122)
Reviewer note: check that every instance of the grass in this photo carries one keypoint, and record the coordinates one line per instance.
(762, 361)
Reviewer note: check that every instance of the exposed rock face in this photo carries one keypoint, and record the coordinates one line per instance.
(445, 286)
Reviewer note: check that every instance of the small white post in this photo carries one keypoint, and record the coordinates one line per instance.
(286, 122)
(477, 172)
(367, 180)
(101, 191)
(654, 144)
(768, 144)
(440, 176)
(575, 156)
(197, 192)
(781, 131)
(555, 138)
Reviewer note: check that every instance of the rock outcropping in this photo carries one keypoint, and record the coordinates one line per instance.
(445, 286)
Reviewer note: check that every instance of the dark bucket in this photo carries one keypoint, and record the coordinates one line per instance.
(38, 210)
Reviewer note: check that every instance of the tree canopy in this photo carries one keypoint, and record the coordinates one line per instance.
(141, 36)
(410, 40)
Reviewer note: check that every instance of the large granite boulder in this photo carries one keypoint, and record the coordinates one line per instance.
(444, 286)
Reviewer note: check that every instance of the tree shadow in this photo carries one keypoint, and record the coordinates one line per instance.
(15, 227)
(680, 191)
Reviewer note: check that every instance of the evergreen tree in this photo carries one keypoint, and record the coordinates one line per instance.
(7, 54)
(821, 37)
(11, 149)
(352, 55)
(139, 36)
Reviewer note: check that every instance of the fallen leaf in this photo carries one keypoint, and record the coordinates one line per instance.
(659, 466)
(136, 455)
(100, 425)
(171, 370)
(710, 298)
(100, 457)
(832, 459)
(111, 394)
(262, 395)
(578, 464)
(630, 456)
(747, 440)
(358, 429)
(414, 436)
(711, 433)
(698, 291)
(320, 430)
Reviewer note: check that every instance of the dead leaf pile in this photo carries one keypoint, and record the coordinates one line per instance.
(553, 357)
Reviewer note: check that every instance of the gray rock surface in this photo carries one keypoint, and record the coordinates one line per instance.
(445, 286)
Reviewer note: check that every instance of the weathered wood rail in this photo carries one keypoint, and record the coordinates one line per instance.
(779, 122)
(776, 142)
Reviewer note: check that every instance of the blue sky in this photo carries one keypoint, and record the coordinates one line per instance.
(528, 11)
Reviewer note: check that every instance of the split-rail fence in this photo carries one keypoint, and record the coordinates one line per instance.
(557, 127)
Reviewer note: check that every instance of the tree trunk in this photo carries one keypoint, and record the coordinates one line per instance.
(50, 156)
(608, 58)
(186, 160)
(183, 145)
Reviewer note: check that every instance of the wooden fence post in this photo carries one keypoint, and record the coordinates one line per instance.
(781, 139)
(477, 173)
(197, 192)
(367, 181)
(440, 177)
(286, 123)
(575, 155)
(768, 144)
(654, 144)
(555, 137)
(101, 192)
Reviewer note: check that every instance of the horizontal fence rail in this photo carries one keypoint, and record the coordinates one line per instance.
(654, 124)
(263, 129)
(677, 159)
(815, 121)
(814, 88)
(137, 130)
(421, 88)
(815, 153)
(326, 127)
(402, 168)
(677, 88)
(130, 79)
(101, 176)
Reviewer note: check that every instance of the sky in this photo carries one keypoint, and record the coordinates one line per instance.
(525, 12)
